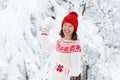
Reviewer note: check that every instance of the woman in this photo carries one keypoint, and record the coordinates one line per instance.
(67, 51)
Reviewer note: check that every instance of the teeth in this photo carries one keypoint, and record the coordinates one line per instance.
(67, 31)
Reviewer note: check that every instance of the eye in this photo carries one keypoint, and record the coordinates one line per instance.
(70, 26)
(65, 24)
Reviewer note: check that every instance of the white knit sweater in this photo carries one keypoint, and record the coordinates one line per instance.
(65, 59)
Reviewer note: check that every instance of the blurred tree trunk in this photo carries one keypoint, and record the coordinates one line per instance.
(83, 75)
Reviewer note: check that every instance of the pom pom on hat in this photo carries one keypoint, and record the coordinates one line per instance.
(71, 18)
(73, 13)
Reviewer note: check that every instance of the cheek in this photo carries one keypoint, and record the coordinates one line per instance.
(72, 30)
(63, 28)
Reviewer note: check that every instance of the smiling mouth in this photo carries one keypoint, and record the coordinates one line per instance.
(67, 31)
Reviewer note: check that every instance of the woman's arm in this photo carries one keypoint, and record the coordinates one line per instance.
(75, 69)
(46, 45)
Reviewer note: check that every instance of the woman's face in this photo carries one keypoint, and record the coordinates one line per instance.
(68, 29)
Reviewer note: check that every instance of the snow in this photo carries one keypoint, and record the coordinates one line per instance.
(20, 46)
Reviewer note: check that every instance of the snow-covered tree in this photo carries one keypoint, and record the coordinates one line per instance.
(21, 56)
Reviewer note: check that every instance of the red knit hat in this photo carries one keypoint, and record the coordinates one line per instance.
(72, 19)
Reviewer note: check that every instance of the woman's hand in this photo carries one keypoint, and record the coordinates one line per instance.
(47, 25)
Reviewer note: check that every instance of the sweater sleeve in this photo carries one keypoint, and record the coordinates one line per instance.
(75, 69)
(46, 45)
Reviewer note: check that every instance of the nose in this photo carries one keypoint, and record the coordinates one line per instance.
(67, 27)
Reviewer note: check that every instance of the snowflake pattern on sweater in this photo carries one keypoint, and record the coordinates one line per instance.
(67, 46)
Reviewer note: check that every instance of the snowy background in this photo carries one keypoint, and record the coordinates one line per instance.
(21, 56)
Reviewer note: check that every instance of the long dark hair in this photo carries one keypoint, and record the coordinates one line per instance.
(74, 35)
